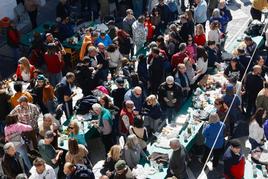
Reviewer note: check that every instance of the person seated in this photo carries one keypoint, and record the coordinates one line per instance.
(48, 123)
(41, 170)
(24, 70)
(76, 171)
(133, 151)
(77, 153)
(50, 155)
(122, 170)
(12, 162)
(74, 132)
(113, 156)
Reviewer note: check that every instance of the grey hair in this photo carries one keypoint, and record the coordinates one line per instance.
(96, 106)
(7, 146)
(91, 49)
(48, 115)
(176, 142)
(21, 176)
(130, 141)
(216, 12)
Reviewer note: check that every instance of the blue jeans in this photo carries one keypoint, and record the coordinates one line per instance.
(54, 78)
(137, 7)
(170, 114)
(23, 152)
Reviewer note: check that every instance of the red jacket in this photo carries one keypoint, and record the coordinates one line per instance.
(200, 39)
(124, 113)
(234, 166)
(178, 58)
(18, 72)
(150, 28)
(54, 64)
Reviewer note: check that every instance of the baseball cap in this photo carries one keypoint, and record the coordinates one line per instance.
(120, 165)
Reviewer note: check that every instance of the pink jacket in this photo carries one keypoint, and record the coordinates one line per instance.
(13, 131)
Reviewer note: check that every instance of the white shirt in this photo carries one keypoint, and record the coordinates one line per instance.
(214, 35)
(25, 76)
(115, 58)
(47, 174)
(202, 65)
(255, 131)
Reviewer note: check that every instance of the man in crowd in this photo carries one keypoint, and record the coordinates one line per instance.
(41, 170)
(253, 85)
(122, 170)
(200, 12)
(65, 94)
(137, 96)
(105, 125)
(128, 21)
(139, 33)
(28, 113)
(234, 160)
(77, 171)
(262, 98)
(177, 162)
(170, 97)
(48, 152)
(18, 88)
(12, 162)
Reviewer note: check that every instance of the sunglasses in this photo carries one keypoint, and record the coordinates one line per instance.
(70, 127)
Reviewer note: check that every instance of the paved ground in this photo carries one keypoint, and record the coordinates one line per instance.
(240, 12)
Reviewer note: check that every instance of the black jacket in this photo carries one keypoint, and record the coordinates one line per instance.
(81, 172)
(163, 92)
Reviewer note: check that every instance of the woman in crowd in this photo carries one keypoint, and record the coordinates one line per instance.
(191, 48)
(126, 117)
(114, 57)
(234, 70)
(140, 131)
(214, 32)
(13, 133)
(192, 74)
(221, 108)
(88, 40)
(210, 132)
(113, 156)
(133, 151)
(256, 131)
(124, 42)
(74, 132)
(150, 27)
(153, 114)
(77, 153)
(190, 21)
(216, 16)
(200, 35)
(202, 61)
(156, 19)
(54, 63)
(24, 70)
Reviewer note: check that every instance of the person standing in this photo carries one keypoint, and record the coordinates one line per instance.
(170, 97)
(253, 85)
(177, 161)
(210, 133)
(104, 125)
(65, 94)
(77, 171)
(13, 40)
(234, 161)
(139, 33)
(257, 7)
(128, 21)
(200, 13)
(137, 7)
(31, 7)
(262, 98)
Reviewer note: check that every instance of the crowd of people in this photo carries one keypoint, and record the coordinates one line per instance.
(128, 95)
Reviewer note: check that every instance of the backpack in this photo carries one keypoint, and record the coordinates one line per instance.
(254, 28)
(82, 172)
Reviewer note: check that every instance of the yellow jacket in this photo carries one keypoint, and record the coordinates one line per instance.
(260, 4)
